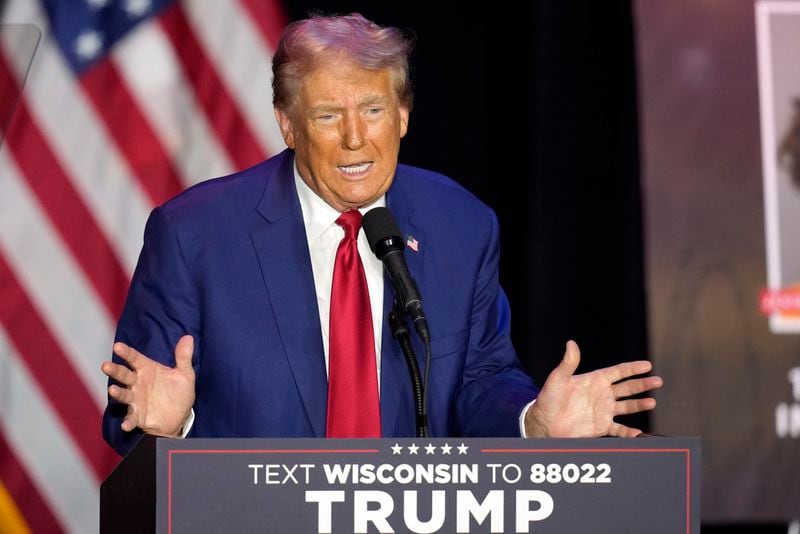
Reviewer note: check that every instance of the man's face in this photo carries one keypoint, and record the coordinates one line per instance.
(345, 128)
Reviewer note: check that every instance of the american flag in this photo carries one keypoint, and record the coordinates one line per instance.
(127, 102)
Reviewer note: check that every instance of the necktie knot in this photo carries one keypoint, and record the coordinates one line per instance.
(351, 222)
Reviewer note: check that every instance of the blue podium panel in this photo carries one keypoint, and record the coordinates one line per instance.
(422, 485)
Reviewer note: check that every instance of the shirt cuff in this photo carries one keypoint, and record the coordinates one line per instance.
(521, 418)
(187, 426)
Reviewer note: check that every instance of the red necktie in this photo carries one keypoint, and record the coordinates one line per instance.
(353, 406)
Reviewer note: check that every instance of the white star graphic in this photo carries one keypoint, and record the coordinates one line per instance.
(462, 449)
(88, 44)
(97, 4)
(396, 449)
(136, 8)
(446, 449)
(430, 449)
(413, 449)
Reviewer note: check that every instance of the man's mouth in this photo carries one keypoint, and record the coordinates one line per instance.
(355, 169)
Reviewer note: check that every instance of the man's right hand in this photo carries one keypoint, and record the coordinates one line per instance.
(159, 398)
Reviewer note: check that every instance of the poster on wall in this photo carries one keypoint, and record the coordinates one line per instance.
(778, 39)
(731, 373)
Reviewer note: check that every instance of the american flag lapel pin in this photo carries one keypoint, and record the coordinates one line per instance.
(412, 243)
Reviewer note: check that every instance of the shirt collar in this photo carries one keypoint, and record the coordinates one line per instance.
(318, 215)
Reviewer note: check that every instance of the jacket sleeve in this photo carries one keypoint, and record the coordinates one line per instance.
(163, 304)
(494, 387)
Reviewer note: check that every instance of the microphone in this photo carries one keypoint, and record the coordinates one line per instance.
(387, 243)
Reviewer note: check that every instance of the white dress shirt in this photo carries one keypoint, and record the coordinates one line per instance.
(323, 236)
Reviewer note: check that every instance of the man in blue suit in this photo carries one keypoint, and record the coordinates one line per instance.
(231, 299)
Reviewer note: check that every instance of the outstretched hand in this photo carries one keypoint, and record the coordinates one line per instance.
(159, 398)
(585, 405)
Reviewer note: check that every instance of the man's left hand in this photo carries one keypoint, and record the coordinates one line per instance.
(585, 405)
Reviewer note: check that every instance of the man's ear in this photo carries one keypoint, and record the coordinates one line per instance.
(404, 115)
(285, 124)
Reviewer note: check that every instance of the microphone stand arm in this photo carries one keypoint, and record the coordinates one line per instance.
(397, 322)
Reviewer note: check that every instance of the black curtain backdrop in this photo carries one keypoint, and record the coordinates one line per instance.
(534, 110)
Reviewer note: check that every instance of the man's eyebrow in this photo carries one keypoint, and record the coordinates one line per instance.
(368, 100)
(374, 99)
(324, 108)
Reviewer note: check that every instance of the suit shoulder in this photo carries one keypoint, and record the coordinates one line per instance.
(434, 191)
(224, 196)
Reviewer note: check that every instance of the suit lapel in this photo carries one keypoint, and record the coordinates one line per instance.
(397, 406)
(282, 250)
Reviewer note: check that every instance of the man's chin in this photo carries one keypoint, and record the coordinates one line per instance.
(359, 200)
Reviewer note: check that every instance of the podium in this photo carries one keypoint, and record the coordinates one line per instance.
(605, 485)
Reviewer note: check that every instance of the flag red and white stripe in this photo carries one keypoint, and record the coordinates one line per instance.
(181, 95)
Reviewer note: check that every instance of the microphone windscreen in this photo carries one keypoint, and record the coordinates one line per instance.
(379, 225)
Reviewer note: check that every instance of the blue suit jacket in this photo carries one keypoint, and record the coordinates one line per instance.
(227, 261)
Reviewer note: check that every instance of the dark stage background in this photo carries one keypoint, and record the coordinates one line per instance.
(534, 111)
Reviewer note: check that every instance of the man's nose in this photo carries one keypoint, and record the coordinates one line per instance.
(353, 137)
